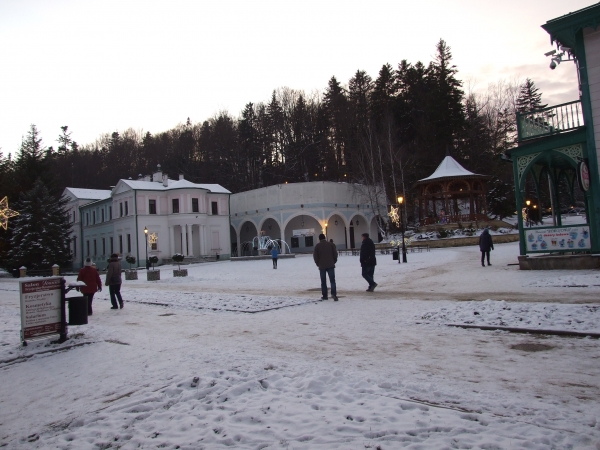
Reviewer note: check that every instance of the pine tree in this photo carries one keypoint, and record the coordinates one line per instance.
(40, 234)
(529, 99)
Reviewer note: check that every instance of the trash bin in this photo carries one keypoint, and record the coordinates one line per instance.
(15, 273)
(395, 254)
(78, 310)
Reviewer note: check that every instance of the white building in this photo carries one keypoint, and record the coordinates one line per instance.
(298, 212)
(179, 216)
(77, 197)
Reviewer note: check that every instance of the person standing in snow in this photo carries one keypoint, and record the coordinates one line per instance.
(485, 245)
(325, 255)
(113, 281)
(90, 276)
(368, 261)
(274, 256)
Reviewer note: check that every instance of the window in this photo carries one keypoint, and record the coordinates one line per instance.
(175, 202)
(87, 244)
(215, 208)
(121, 243)
(121, 209)
(126, 209)
(154, 246)
(102, 214)
(73, 216)
(110, 213)
(128, 243)
(151, 206)
(103, 246)
(295, 242)
(111, 246)
(74, 246)
(195, 207)
(308, 241)
(87, 218)
(95, 248)
(93, 217)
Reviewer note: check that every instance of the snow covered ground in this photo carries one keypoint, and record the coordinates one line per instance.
(278, 368)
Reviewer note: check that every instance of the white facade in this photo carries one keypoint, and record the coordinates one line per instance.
(591, 38)
(180, 216)
(298, 212)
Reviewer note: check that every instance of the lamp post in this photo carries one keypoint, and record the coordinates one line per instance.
(400, 202)
(146, 235)
(528, 202)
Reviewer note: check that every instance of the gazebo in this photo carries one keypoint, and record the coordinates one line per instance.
(452, 194)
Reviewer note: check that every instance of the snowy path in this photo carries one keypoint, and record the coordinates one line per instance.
(367, 371)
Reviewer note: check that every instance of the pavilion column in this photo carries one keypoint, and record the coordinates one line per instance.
(172, 239)
(185, 240)
(191, 242)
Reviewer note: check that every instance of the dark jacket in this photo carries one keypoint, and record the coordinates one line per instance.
(325, 255)
(113, 273)
(89, 275)
(367, 253)
(485, 241)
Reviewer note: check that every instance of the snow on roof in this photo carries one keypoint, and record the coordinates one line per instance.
(89, 194)
(173, 184)
(449, 168)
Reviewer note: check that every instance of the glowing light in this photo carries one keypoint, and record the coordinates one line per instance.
(393, 215)
(6, 213)
(152, 238)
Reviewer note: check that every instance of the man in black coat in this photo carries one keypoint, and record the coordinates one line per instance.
(325, 255)
(368, 261)
(485, 245)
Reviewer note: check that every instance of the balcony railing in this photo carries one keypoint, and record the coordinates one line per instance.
(548, 121)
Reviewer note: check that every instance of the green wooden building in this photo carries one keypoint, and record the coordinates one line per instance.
(557, 149)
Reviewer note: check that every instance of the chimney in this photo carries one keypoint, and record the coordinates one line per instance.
(157, 176)
(165, 180)
(181, 176)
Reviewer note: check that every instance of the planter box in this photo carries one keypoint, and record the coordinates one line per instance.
(131, 274)
(153, 275)
(180, 273)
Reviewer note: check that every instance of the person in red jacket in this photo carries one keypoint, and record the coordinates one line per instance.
(89, 275)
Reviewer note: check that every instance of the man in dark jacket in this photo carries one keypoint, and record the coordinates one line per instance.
(325, 256)
(114, 280)
(368, 261)
(485, 245)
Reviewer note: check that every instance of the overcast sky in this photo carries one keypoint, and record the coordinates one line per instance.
(100, 66)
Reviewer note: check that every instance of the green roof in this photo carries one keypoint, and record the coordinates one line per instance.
(563, 29)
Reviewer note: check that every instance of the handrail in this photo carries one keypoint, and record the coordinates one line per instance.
(551, 120)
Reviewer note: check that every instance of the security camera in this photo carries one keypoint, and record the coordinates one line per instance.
(565, 49)
(552, 65)
(551, 52)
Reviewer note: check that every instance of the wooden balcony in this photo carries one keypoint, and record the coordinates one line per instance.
(549, 121)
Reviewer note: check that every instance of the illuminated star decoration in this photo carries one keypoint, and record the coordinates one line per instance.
(152, 238)
(393, 215)
(5, 213)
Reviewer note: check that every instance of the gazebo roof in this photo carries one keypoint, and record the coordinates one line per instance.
(449, 168)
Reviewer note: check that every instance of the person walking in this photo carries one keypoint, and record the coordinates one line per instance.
(274, 256)
(90, 276)
(113, 281)
(485, 245)
(368, 261)
(325, 255)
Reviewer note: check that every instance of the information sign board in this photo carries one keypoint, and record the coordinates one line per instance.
(570, 239)
(41, 310)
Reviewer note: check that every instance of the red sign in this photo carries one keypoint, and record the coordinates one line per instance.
(583, 176)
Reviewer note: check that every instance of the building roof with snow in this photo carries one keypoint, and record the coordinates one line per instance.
(145, 185)
(449, 168)
(89, 194)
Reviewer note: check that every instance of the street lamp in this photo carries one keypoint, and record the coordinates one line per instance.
(146, 233)
(400, 202)
(528, 202)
